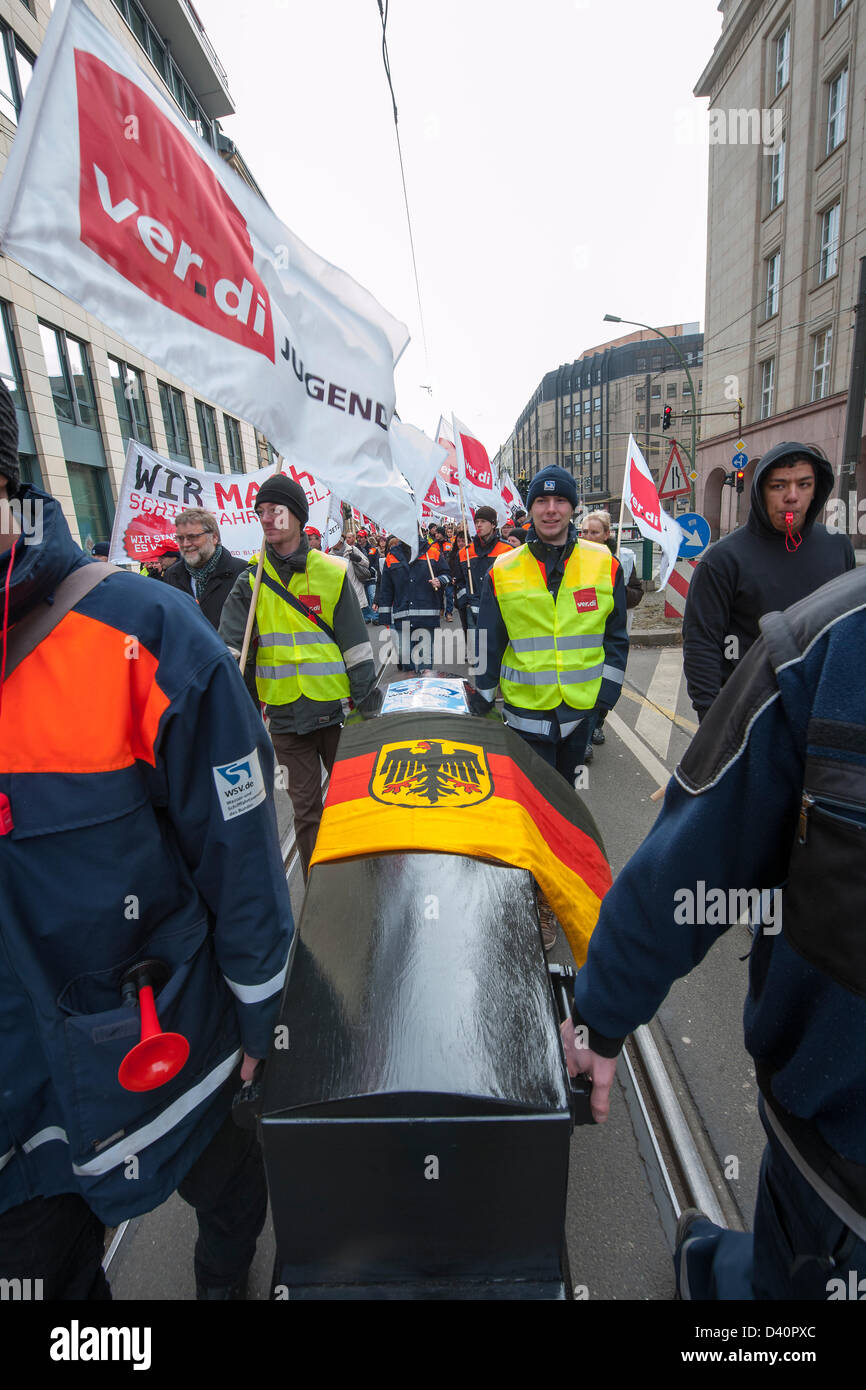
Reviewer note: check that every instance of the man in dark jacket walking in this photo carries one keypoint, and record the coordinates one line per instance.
(205, 568)
(772, 791)
(409, 601)
(136, 791)
(781, 554)
(477, 557)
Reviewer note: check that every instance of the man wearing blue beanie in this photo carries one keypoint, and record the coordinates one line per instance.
(552, 629)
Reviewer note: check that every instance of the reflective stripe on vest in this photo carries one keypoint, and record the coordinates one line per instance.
(294, 656)
(555, 651)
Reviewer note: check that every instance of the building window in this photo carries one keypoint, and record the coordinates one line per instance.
(838, 7)
(777, 175)
(10, 371)
(836, 103)
(639, 422)
(657, 363)
(821, 350)
(639, 393)
(641, 364)
(69, 374)
(587, 407)
(587, 431)
(700, 387)
(687, 390)
(672, 388)
(656, 393)
(567, 436)
(768, 378)
(597, 378)
(155, 48)
(16, 70)
(828, 262)
(174, 419)
(771, 297)
(597, 457)
(233, 444)
(596, 404)
(783, 51)
(596, 429)
(566, 410)
(128, 386)
(207, 433)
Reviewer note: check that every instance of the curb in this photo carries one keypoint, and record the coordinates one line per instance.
(657, 637)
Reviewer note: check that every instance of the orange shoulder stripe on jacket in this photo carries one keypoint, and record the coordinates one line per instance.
(86, 700)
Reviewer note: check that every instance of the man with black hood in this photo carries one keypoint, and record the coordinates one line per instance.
(313, 649)
(781, 555)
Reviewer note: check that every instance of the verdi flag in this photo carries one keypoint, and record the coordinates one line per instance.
(640, 495)
(476, 474)
(459, 785)
(110, 196)
(510, 496)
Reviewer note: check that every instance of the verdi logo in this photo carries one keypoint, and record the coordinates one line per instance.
(153, 209)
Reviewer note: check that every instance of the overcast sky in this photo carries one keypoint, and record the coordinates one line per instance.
(555, 164)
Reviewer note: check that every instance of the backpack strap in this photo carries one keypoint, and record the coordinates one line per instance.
(35, 626)
(781, 644)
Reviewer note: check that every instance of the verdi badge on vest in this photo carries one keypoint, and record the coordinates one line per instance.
(295, 655)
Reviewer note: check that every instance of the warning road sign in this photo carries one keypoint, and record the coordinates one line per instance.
(675, 482)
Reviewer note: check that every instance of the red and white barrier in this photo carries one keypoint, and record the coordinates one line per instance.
(677, 590)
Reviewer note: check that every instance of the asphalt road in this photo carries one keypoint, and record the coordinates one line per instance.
(617, 1248)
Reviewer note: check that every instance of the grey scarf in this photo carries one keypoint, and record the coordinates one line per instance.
(203, 574)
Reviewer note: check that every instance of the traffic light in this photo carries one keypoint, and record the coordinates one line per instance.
(666, 419)
(729, 479)
(739, 475)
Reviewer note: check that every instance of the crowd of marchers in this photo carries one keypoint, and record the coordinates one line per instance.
(137, 772)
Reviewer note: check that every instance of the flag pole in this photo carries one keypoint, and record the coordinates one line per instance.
(466, 534)
(257, 584)
(622, 503)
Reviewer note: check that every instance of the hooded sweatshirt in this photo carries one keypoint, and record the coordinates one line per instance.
(752, 572)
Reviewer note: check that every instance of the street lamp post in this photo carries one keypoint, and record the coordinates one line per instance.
(614, 318)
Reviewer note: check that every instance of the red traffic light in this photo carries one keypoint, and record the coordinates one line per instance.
(666, 418)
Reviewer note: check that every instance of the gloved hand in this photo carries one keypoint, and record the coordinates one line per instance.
(478, 705)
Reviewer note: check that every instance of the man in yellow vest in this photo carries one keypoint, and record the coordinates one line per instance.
(313, 650)
(552, 630)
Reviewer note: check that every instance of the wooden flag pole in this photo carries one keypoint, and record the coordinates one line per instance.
(257, 584)
(466, 534)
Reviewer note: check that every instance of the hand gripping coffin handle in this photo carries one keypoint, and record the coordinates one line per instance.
(580, 1087)
(247, 1102)
(157, 1057)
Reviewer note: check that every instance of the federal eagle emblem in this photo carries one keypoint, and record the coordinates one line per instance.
(431, 772)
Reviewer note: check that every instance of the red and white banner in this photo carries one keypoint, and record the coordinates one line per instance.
(155, 490)
(418, 459)
(476, 475)
(510, 496)
(110, 196)
(640, 496)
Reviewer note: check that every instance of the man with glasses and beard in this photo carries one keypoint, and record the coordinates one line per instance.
(206, 570)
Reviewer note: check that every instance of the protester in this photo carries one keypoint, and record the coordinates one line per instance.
(455, 573)
(100, 551)
(408, 601)
(476, 558)
(781, 554)
(595, 527)
(778, 764)
(206, 570)
(512, 537)
(367, 544)
(113, 778)
(581, 596)
(313, 652)
(440, 548)
(314, 537)
(358, 569)
(162, 561)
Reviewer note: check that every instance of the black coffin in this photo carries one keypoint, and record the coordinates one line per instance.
(416, 1126)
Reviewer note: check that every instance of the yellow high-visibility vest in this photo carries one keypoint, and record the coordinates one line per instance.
(555, 651)
(295, 657)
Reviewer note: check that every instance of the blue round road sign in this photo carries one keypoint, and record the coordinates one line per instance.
(697, 537)
(740, 460)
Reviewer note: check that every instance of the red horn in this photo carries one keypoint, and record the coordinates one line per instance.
(158, 1056)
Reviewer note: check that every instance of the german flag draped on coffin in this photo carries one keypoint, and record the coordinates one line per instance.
(461, 785)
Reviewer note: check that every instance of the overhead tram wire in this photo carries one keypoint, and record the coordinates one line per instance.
(383, 13)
